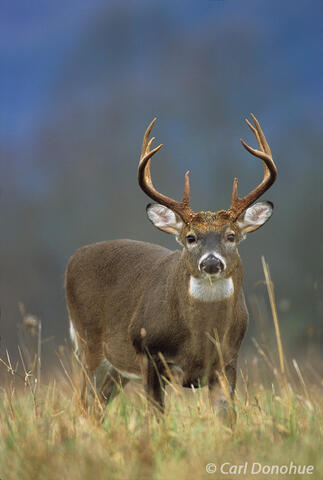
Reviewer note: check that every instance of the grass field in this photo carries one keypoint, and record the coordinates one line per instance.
(46, 434)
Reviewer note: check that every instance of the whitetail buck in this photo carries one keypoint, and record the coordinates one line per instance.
(139, 310)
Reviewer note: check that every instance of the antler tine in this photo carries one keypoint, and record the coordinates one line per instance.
(260, 134)
(145, 149)
(146, 143)
(186, 195)
(238, 205)
(144, 179)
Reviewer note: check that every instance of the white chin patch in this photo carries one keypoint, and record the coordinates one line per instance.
(207, 290)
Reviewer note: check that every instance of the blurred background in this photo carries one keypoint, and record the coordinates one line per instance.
(79, 83)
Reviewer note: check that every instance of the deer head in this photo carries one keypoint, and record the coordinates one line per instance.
(209, 239)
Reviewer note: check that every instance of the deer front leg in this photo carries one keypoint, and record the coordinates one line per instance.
(221, 393)
(100, 386)
(152, 374)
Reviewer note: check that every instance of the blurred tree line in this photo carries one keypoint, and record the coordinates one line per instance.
(75, 183)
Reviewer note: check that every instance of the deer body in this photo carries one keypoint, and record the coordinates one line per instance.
(139, 310)
(124, 303)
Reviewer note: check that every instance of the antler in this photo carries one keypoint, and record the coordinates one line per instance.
(144, 179)
(238, 205)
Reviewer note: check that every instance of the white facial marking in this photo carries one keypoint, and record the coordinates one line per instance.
(217, 255)
(202, 289)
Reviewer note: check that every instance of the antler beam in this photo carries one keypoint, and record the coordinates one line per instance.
(144, 179)
(238, 205)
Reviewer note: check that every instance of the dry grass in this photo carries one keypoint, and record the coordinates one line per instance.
(45, 433)
(49, 437)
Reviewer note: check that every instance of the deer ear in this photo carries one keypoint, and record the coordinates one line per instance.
(255, 216)
(164, 218)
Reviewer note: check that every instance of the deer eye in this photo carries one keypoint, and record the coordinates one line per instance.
(190, 239)
(231, 237)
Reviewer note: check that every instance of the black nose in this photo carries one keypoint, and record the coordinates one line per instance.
(211, 265)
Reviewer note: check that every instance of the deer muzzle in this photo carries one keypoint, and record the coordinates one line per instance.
(211, 265)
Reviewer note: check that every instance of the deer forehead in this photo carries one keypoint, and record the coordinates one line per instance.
(205, 222)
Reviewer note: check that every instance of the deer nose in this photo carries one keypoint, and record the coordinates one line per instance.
(211, 264)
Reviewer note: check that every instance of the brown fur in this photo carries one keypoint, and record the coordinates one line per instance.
(204, 222)
(130, 299)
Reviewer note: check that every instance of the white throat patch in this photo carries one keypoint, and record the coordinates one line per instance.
(202, 289)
